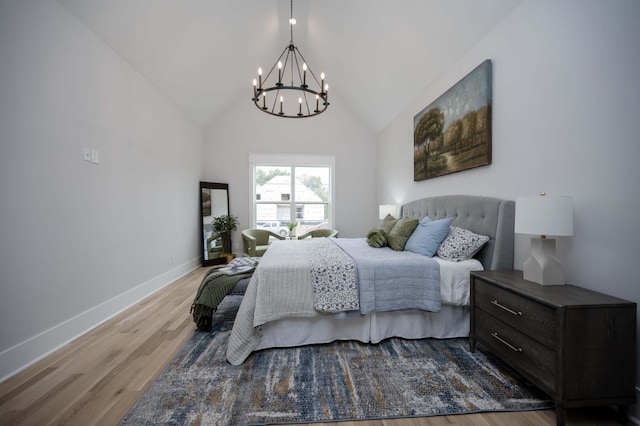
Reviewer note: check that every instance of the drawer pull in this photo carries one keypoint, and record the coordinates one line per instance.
(511, 311)
(509, 345)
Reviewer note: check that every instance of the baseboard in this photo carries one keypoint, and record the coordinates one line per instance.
(24, 354)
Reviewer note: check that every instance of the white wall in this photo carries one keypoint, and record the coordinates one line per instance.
(81, 241)
(243, 129)
(566, 109)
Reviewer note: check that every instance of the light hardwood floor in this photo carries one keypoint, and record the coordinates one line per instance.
(96, 378)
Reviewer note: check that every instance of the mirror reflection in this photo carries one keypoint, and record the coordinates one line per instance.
(214, 201)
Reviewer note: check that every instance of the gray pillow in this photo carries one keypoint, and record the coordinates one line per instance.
(399, 235)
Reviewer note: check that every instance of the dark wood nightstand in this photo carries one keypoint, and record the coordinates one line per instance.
(575, 344)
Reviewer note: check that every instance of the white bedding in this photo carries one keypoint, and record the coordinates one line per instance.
(254, 328)
(454, 280)
(451, 321)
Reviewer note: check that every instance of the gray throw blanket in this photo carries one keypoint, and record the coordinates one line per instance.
(214, 287)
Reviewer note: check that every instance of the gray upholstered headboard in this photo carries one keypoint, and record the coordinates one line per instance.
(483, 215)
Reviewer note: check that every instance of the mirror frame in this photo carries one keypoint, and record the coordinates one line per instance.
(210, 185)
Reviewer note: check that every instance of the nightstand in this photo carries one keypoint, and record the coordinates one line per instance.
(575, 344)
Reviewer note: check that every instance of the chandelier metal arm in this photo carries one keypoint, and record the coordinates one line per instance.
(321, 85)
(276, 63)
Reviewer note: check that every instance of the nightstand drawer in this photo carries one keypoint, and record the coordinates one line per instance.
(533, 359)
(530, 317)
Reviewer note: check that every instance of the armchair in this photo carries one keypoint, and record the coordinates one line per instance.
(316, 233)
(256, 241)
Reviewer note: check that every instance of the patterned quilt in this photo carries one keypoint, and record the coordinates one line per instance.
(333, 277)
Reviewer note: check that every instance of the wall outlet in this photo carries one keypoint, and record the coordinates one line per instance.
(86, 154)
(95, 156)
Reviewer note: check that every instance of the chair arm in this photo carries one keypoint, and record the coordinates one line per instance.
(249, 244)
(278, 236)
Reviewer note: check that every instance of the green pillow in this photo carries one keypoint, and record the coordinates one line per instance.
(377, 238)
(401, 232)
(387, 224)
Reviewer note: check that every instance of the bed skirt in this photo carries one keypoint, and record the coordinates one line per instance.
(451, 321)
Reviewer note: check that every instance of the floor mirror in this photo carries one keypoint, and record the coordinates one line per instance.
(214, 202)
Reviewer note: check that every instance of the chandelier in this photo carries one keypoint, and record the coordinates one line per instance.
(291, 92)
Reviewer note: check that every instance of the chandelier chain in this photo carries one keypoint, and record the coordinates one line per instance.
(291, 21)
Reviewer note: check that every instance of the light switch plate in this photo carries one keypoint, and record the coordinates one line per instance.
(86, 155)
(95, 156)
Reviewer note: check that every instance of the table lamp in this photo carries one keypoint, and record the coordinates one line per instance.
(386, 209)
(544, 215)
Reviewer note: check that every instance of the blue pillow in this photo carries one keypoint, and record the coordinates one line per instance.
(428, 236)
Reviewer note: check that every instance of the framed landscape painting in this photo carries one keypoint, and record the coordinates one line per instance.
(454, 132)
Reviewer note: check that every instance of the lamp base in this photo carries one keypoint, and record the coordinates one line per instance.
(542, 266)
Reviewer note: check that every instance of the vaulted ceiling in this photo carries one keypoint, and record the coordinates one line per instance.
(376, 54)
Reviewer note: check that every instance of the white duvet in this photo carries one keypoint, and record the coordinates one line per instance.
(292, 297)
(454, 280)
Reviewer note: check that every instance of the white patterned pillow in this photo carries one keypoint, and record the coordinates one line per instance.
(461, 244)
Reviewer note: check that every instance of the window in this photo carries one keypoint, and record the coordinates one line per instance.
(291, 188)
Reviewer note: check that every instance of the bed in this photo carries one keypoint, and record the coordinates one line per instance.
(267, 321)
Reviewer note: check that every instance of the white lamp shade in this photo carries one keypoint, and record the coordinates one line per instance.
(386, 209)
(544, 215)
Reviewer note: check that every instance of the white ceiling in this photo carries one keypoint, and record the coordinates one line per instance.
(377, 55)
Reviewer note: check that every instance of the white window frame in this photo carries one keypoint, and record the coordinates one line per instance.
(292, 160)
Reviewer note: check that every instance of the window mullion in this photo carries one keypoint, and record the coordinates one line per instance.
(292, 205)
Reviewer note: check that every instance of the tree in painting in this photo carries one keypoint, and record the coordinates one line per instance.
(426, 132)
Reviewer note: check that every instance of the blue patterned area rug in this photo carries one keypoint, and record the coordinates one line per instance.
(324, 383)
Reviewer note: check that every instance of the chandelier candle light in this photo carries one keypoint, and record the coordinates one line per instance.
(289, 67)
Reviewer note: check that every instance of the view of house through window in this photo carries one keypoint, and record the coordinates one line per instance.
(292, 194)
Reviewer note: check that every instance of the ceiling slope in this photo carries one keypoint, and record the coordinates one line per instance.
(377, 55)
